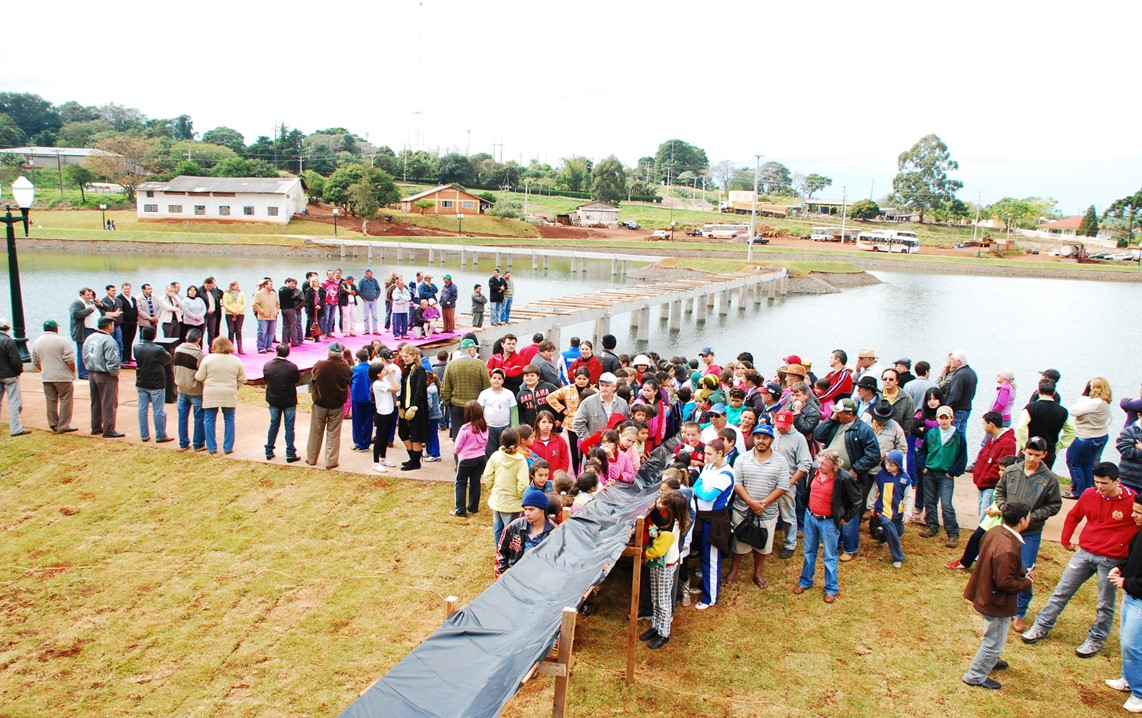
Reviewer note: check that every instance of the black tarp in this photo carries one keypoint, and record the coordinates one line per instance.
(473, 664)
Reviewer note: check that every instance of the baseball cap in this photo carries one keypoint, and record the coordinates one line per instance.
(367, 271)
(608, 378)
(538, 499)
(792, 359)
(773, 389)
(763, 429)
(719, 409)
(905, 361)
(448, 276)
(537, 337)
(1052, 374)
(50, 325)
(784, 418)
(336, 348)
(706, 351)
(1037, 443)
(845, 405)
(945, 411)
(866, 354)
(468, 344)
(350, 277)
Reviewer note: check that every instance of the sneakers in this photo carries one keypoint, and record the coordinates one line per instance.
(379, 468)
(1118, 684)
(991, 684)
(786, 553)
(391, 463)
(847, 556)
(954, 565)
(701, 605)
(929, 532)
(953, 541)
(431, 458)
(1088, 648)
(1133, 705)
(897, 564)
(1036, 634)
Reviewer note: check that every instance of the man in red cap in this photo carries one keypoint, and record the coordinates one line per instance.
(793, 446)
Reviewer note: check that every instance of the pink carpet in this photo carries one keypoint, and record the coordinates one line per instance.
(310, 352)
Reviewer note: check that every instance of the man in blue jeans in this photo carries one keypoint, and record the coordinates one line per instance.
(187, 357)
(1030, 482)
(282, 377)
(151, 362)
(1129, 579)
(944, 455)
(834, 502)
(858, 451)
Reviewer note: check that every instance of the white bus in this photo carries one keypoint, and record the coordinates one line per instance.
(725, 231)
(833, 234)
(892, 242)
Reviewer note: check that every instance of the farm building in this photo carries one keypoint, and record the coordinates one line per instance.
(53, 157)
(233, 199)
(594, 214)
(446, 199)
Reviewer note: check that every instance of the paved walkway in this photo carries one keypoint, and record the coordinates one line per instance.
(251, 423)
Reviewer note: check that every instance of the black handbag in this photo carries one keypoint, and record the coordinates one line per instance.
(752, 531)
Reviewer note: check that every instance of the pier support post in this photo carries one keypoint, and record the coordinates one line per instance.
(709, 301)
(635, 318)
(785, 285)
(663, 311)
(676, 315)
(622, 267)
(509, 261)
(534, 261)
(614, 267)
(370, 255)
(690, 304)
(431, 256)
(400, 254)
(342, 251)
(552, 335)
(701, 309)
(644, 324)
(546, 260)
(755, 290)
(498, 259)
(724, 302)
(573, 260)
(441, 257)
(602, 326)
(475, 260)
(743, 294)
(771, 289)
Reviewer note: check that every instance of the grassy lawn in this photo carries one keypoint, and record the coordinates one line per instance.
(134, 582)
(85, 226)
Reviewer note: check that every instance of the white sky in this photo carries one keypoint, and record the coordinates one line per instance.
(1032, 98)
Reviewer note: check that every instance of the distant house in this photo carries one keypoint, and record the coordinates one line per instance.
(227, 199)
(1068, 229)
(597, 213)
(446, 199)
(40, 157)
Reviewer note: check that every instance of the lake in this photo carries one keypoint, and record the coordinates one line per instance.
(1024, 324)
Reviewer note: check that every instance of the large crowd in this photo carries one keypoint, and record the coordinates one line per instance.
(813, 456)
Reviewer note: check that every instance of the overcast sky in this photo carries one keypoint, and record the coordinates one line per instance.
(1031, 98)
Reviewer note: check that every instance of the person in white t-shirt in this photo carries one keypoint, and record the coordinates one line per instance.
(500, 409)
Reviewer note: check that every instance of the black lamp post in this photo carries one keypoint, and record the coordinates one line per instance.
(672, 231)
(335, 213)
(103, 211)
(23, 192)
(460, 225)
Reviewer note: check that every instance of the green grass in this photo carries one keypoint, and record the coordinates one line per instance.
(473, 224)
(135, 581)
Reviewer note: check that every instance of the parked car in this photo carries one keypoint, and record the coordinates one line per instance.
(1100, 255)
(759, 240)
(1121, 256)
(695, 232)
(1031, 251)
(631, 224)
(660, 234)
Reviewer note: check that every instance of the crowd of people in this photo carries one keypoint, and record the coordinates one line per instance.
(544, 430)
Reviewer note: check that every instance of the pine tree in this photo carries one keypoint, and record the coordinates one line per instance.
(1089, 226)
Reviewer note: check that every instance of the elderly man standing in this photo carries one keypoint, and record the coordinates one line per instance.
(369, 290)
(54, 357)
(464, 379)
(858, 451)
(187, 358)
(330, 386)
(11, 367)
(866, 366)
(84, 315)
(102, 359)
(266, 309)
(594, 413)
(959, 382)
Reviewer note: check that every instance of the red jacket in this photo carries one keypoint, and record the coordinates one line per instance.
(986, 471)
(593, 366)
(1109, 527)
(555, 452)
(840, 386)
(512, 366)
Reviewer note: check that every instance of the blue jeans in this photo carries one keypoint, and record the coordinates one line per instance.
(499, 521)
(892, 532)
(823, 534)
(1081, 458)
(1081, 567)
(362, 424)
(938, 488)
(960, 421)
(506, 310)
(276, 414)
(185, 403)
(432, 446)
(327, 313)
(1130, 636)
(995, 630)
(986, 499)
(371, 322)
(496, 307)
(154, 397)
(80, 369)
(400, 324)
(210, 420)
(1030, 556)
(266, 330)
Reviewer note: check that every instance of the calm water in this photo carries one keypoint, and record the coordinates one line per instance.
(1026, 325)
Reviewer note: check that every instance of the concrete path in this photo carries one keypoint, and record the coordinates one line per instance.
(251, 423)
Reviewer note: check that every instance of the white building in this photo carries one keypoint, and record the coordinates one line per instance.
(594, 214)
(53, 157)
(272, 200)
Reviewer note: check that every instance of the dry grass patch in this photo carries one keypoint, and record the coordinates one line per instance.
(140, 582)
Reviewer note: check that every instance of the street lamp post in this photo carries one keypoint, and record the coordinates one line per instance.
(23, 192)
(335, 213)
(672, 230)
(460, 225)
(103, 212)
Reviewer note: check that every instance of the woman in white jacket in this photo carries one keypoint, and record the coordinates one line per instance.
(1091, 416)
(170, 311)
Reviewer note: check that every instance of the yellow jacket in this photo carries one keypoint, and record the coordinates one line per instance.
(266, 305)
(234, 302)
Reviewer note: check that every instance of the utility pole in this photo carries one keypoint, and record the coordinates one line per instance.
(975, 228)
(59, 166)
(844, 212)
(468, 147)
(753, 213)
(526, 188)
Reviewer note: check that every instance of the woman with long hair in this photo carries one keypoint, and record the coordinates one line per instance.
(471, 443)
(1091, 414)
(413, 407)
(925, 419)
(221, 374)
(234, 307)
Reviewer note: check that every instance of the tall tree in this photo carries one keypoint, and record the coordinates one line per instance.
(122, 118)
(32, 113)
(774, 178)
(244, 167)
(1126, 210)
(723, 173)
(1012, 212)
(455, 167)
(84, 133)
(575, 173)
(814, 183)
(79, 176)
(923, 181)
(126, 162)
(72, 111)
(675, 157)
(227, 137)
(10, 133)
(609, 181)
(1088, 227)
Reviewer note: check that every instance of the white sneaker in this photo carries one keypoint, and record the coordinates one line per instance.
(1132, 704)
(431, 458)
(897, 564)
(390, 462)
(1118, 684)
(379, 468)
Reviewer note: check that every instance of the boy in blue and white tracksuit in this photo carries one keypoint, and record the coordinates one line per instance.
(712, 533)
(891, 482)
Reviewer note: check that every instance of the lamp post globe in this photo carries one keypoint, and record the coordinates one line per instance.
(103, 213)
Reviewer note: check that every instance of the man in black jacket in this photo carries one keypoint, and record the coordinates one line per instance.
(130, 324)
(960, 388)
(211, 294)
(858, 451)
(834, 502)
(496, 287)
(151, 383)
(291, 300)
(282, 377)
